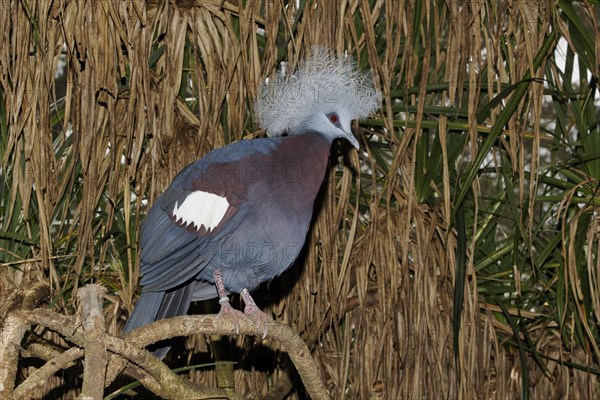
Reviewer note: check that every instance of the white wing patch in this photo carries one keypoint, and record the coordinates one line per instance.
(201, 208)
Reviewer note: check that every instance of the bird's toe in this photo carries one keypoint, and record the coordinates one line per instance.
(229, 313)
(261, 319)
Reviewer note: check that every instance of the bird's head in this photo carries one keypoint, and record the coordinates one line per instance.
(324, 95)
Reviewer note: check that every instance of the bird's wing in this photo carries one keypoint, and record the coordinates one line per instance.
(189, 222)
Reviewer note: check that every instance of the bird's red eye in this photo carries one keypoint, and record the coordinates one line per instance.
(333, 118)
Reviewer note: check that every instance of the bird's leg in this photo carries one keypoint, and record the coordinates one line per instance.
(252, 310)
(220, 287)
(226, 308)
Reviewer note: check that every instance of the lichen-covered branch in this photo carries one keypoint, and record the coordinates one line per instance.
(40, 376)
(170, 385)
(94, 372)
(298, 351)
(10, 345)
(87, 333)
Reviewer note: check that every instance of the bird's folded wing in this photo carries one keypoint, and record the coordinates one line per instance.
(191, 220)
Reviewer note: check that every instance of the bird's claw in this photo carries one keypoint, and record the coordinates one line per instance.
(261, 319)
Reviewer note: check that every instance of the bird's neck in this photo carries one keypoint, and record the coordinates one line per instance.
(304, 160)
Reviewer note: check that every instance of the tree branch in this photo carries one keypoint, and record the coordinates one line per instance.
(163, 381)
(94, 371)
(40, 376)
(298, 351)
(10, 344)
(152, 373)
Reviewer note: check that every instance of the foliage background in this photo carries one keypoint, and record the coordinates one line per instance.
(455, 255)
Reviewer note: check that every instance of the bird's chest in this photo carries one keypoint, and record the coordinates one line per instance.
(289, 187)
(291, 177)
(282, 201)
(278, 210)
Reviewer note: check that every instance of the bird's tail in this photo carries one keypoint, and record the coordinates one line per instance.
(154, 306)
(145, 311)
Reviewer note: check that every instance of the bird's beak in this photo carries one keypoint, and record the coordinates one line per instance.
(350, 137)
(353, 141)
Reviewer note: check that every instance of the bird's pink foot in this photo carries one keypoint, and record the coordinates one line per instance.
(230, 313)
(251, 309)
(226, 310)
